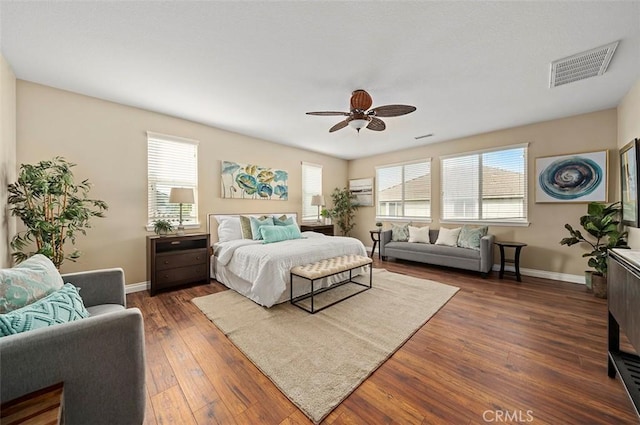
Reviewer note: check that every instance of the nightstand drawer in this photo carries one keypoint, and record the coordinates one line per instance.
(170, 277)
(170, 260)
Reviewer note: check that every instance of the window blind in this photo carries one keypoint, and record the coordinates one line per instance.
(486, 185)
(171, 162)
(404, 190)
(311, 185)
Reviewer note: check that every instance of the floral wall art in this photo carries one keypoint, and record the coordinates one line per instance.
(250, 181)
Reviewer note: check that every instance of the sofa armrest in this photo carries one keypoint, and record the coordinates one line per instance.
(100, 360)
(486, 253)
(99, 286)
(385, 237)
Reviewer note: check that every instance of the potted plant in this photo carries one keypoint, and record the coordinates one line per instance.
(162, 227)
(344, 208)
(379, 225)
(326, 214)
(603, 225)
(53, 207)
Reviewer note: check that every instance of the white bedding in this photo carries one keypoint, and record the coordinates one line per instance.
(264, 268)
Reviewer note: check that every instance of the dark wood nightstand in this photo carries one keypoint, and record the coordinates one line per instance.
(326, 229)
(177, 260)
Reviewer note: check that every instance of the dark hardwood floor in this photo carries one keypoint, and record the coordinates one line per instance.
(499, 352)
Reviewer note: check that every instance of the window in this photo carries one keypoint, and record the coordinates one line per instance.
(404, 190)
(311, 185)
(485, 186)
(172, 162)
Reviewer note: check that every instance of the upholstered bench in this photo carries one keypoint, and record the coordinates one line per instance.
(326, 268)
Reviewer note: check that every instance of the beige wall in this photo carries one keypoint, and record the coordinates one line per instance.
(7, 156)
(108, 142)
(629, 129)
(582, 133)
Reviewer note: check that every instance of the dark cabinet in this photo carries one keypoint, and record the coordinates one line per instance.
(326, 229)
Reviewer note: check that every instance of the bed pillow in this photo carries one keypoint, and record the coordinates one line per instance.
(470, 236)
(448, 237)
(29, 281)
(61, 306)
(272, 234)
(419, 234)
(399, 232)
(245, 227)
(257, 223)
(283, 220)
(229, 229)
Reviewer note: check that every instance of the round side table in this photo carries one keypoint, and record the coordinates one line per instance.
(515, 260)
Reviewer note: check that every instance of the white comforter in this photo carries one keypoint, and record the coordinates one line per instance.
(266, 266)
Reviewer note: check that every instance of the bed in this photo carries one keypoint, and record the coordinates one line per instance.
(260, 271)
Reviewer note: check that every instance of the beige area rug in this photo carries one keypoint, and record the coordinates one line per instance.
(318, 360)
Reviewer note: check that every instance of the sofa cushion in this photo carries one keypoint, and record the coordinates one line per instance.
(29, 281)
(62, 306)
(399, 232)
(430, 249)
(448, 237)
(419, 234)
(470, 236)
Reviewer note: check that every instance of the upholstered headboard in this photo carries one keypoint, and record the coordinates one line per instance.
(212, 221)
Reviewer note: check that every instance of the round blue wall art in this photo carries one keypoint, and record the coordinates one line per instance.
(571, 178)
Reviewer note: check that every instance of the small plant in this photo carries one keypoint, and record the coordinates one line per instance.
(378, 224)
(162, 227)
(325, 213)
(344, 209)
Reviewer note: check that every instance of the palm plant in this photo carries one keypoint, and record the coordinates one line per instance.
(343, 210)
(53, 207)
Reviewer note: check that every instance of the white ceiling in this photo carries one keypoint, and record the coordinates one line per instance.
(255, 68)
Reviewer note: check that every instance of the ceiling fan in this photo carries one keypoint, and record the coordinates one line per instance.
(361, 116)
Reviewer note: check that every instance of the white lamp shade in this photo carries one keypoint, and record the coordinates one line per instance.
(181, 195)
(317, 200)
(358, 124)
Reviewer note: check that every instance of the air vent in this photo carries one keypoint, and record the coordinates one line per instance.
(582, 65)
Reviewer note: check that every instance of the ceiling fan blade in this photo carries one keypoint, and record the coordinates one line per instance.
(376, 124)
(328, 113)
(341, 124)
(392, 110)
(361, 100)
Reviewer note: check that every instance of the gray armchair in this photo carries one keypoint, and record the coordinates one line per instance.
(100, 359)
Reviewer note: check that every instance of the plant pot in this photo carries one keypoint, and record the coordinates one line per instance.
(588, 280)
(599, 285)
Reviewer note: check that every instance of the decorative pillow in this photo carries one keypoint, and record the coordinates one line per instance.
(256, 223)
(470, 236)
(419, 234)
(399, 232)
(283, 220)
(245, 227)
(62, 306)
(272, 234)
(29, 281)
(448, 237)
(229, 229)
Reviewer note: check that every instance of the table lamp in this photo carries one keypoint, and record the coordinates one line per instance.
(318, 200)
(181, 195)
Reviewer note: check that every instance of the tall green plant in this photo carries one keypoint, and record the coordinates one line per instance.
(603, 225)
(54, 209)
(344, 208)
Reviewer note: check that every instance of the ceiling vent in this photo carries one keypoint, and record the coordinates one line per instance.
(582, 65)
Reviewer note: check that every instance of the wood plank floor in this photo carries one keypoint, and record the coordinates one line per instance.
(499, 352)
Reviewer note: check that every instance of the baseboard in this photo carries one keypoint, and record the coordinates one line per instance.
(563, 277)
(136, 287)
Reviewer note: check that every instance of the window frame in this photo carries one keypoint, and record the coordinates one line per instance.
(158, 137)
(401, 204)
(515, 222)
(306, 195)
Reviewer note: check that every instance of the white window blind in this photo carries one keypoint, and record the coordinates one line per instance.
(485, 185)
(404, 190)
(311, 185)
(172, 162)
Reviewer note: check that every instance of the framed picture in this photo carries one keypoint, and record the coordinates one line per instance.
(629, 182)
(250, 181)
(580, 177)
(363, 190)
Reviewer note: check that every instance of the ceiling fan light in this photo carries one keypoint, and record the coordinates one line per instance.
(358, 124)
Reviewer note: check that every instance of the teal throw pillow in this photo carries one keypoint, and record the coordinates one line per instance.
(283, 221)
(62, 306)
(29, 281)
(272, 234)
(469, 236)
(257, 223)
(400, 232)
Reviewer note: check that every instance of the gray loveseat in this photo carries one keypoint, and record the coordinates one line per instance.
(100, 359)
(450, 256)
